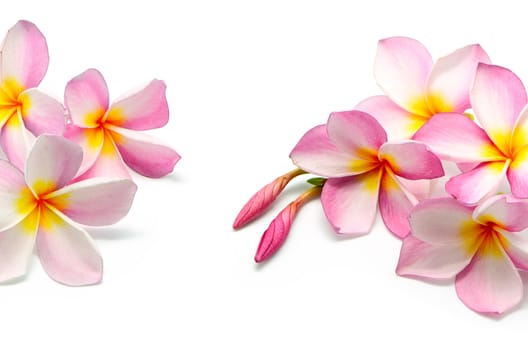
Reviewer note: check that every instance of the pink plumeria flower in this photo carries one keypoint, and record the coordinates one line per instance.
(25, 112)
(261, 201)
(41, 208)
(480, 246)
(109, 134)
(415, 88)
(498, 148)
(362, 167)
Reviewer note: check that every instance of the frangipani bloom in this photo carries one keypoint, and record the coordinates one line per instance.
(498, 98)
(41, 208)
(480, 246)
(362, 167)
(415, 88)
(24, 111)
(108, 133)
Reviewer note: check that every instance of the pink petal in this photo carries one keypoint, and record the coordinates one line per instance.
(516, 246)
(16, 247)
(437, 261)
(490, 283)
(451, 78)
(398, 122)
(95, 202)
(16, 141)
(143, 110)
(315, 153)
(444, 221)
(24, 55)
(66, 251)
(505, 211)
(395, 204)
(41, 113)
(475, 185)
(520, 133)
(411, 160)
(350, 202)
(52, 163)
(497, 97)
(518, 174)
(143, 153)
(91, 141)
(16, 201)
(455, 137)
(86, 98)
(401, 69)
(262, 200)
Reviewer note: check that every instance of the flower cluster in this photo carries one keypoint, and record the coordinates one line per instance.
(64, 165)
(390, 153)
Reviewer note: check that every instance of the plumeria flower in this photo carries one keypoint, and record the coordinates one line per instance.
(40, 208)
(480, 245)
(363, 168)
(109, 134)
(499, 148)
(25, 112)
(415, 87)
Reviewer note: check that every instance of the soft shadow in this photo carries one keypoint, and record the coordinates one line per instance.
(14, 280)
(112, 233)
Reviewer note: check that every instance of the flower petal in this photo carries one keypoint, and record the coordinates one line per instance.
(411, 160)
(456, 138)
(41, 113)
(444, 221)
(143, 110)
(490, 283)
(516, 246)
(497, 97)
(451, 78)
(505, 211)
(477, 184)
(16, 141)
(315, 153)
(437, 261)
(143, 153)
(66, 251)
(350, 202)
(16, 201)
(24, 56)
(518, 174)
(96, 201)
(401, 69)
(86, 98)
(398, 122)
(91, 141)
(395, 204)
(52, 163)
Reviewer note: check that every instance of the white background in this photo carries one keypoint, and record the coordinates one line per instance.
(245, 81)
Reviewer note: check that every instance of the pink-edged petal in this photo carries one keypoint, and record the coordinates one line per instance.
(16, 201)
(67, 253)
(395, 204)
(52, 163)
(143, 110)
(504, 211)
(91, 141)
(356, 133)
(401, 69)
(518, 174)
(86, 98)
(96, 201)
(490, 283)
(516, 246)
(520, 133)
(444, 221)
(350, 203)
(451, 78)
(420, 189)
(144, 154)
(16, 141)
(315, 153)
(497, 97)
(16, 247)
(456, 138)
(436, 261)
(477, 184)
(398, 122)
(41, 113)
(411, 160)
(24, 55)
